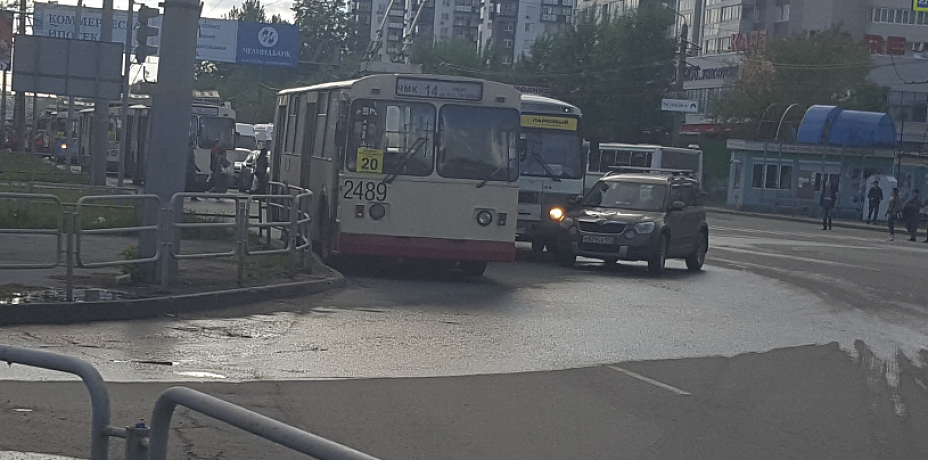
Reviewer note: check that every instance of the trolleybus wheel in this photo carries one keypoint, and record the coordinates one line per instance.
(473, 268)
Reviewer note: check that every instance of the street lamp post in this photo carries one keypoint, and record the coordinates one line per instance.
(681, 72)
(681, 67)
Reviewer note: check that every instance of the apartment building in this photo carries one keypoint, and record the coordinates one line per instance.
(438, 19)
(512, 26)
(720, 29)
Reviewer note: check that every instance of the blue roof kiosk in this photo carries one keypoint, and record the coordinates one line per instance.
(832, 146)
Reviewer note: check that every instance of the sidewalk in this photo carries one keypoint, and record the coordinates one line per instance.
(880, 226)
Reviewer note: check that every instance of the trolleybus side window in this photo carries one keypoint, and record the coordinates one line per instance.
(492, 157)
(391, 138)
(293, 115)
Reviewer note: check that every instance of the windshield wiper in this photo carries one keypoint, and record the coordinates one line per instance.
(484, 182)
(411, 153)
(545, 165)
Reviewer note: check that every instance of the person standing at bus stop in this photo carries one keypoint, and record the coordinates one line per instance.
(828, 200)
(874, 197)
(892, 212)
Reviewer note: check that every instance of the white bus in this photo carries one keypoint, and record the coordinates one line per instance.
(208, 123)
(551, 170)
(405, 166)
(612, 155)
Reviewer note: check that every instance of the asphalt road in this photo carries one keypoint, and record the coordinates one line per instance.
(792, 343)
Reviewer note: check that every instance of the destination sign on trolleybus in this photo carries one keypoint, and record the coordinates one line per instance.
(549, 122)
(459, 90)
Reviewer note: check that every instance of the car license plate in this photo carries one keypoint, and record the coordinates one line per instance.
(598, 239)
(520, 230)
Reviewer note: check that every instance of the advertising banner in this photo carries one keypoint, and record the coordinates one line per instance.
(215, 43)
(267, 44)
(6, 39)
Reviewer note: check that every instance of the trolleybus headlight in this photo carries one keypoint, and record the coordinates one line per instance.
(484, 218)
(644, 227)
(556, 214)
(359, 210)
(377, 211)
(501, 218)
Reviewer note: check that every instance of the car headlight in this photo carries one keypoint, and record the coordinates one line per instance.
(556, 214)
(484, 218)
(644, 227)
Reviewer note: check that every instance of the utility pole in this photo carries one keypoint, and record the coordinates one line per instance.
(19, 104)
(101, 108)
(171, 118)
(124, 112)
(71, 141)
(678, 85)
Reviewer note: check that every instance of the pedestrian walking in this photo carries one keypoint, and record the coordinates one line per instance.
(221, 175)
(213, 159)
(875, 197)
(190, 183)
(828, 200)
(261, 164)
(893, 209)
(910, 212)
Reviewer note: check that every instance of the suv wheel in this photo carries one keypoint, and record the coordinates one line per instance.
(658, 257)
(697, 258)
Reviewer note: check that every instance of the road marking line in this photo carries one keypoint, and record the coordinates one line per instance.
(663, 385)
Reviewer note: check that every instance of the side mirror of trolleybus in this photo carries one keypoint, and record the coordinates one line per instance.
(523, 149)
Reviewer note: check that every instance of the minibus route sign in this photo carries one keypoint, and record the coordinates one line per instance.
(439, 89)
(370, 161)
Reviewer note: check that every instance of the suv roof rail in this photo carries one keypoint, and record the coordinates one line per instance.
(644, 169)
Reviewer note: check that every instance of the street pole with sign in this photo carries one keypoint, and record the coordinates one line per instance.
(681, 67)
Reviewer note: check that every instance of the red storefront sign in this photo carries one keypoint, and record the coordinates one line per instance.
(749, 40)
(893, 46)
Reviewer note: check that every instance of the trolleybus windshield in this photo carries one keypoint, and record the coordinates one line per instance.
(390, 137)
(493, 156)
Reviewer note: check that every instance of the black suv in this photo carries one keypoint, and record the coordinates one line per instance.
(642, 215)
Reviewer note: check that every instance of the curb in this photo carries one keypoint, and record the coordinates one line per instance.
(805, 220)
(77, 312)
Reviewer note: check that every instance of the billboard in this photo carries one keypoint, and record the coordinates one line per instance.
(920, 5)
(267, 44)
(6, 39)
(80, 68)
(219, 40)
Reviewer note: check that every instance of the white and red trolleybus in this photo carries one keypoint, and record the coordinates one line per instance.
(405, 166)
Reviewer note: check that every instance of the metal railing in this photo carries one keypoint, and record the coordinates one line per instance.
(152, 443)
(79, 232)
(288, 215)
(58, 232)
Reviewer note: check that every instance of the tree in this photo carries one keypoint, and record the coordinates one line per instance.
(616, 69)
(828, 68)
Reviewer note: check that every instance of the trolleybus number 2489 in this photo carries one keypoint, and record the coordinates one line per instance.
(365, 190)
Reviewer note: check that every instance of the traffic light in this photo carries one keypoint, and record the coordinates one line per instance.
(142, 49)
